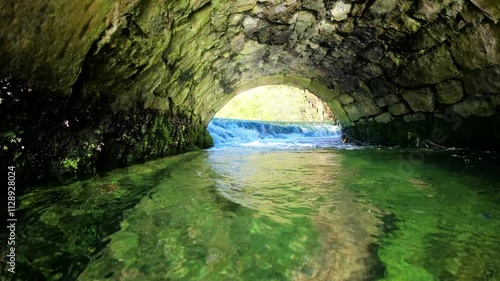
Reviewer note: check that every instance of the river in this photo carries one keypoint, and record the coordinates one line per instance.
(272, 201)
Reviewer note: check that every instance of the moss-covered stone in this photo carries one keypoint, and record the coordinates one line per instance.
(360, 109)
(473, 107)
(420, 100)
(339, 111)
(482, 81)
(474, 48)
(380, 7)
(447, 132)
(74, 136)
(398, 109)
(52, 47)
(490, 7)
(419, 116)
(385, 117)
(145, 77)
(449, 92)
(433, 67)
(345, 99)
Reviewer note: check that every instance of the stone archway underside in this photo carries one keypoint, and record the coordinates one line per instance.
(143, 77)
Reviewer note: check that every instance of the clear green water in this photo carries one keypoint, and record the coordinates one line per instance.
(257, 214)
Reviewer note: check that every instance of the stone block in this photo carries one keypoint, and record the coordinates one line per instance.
(398, 109)
(473, 107)
(431, 68)
(449, 92)
(304, 21)
(385, 117)
(380, 101)
(391, 99)
(420, 100)
(381, 7)
(490, 7)
(250, 25)
(353, 112)
(374, 52)
(361, 96)
(440, 30)
(477, 48)
(495, 100)
(340, 10)
(345, 99)
(244, 5)
(482, 81)
(339, 111)
(368, 107)
(314, 5)
(197, 4)
(419, 116)
(429, 9)
(237, 43)
(360, 109)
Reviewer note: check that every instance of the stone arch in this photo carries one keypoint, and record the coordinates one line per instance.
(324, 93)
(150, 73)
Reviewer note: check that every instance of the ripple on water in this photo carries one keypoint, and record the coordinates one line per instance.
(271, 215)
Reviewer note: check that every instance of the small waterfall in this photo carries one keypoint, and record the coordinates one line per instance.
(234, 132)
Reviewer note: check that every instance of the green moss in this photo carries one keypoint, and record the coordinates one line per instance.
(93, 137)
(447, 132)
(322, 91)
(65, 41)
(71, 163)
(339, 112)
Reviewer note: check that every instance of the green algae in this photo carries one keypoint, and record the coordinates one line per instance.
(75, 219)
(435, 234)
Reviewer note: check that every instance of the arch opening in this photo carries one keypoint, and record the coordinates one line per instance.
(277, 116)
(277, 103)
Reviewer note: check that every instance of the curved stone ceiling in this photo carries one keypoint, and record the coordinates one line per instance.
(382, 65)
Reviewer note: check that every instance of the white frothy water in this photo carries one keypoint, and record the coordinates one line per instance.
(274, 135)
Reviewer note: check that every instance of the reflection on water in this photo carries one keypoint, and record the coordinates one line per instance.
(252, 214)
(269, 184)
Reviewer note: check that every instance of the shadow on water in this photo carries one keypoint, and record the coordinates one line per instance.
(62, 228)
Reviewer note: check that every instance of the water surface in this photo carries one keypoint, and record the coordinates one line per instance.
(293, 205)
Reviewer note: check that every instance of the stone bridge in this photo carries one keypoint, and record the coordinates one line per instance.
(94, 83)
